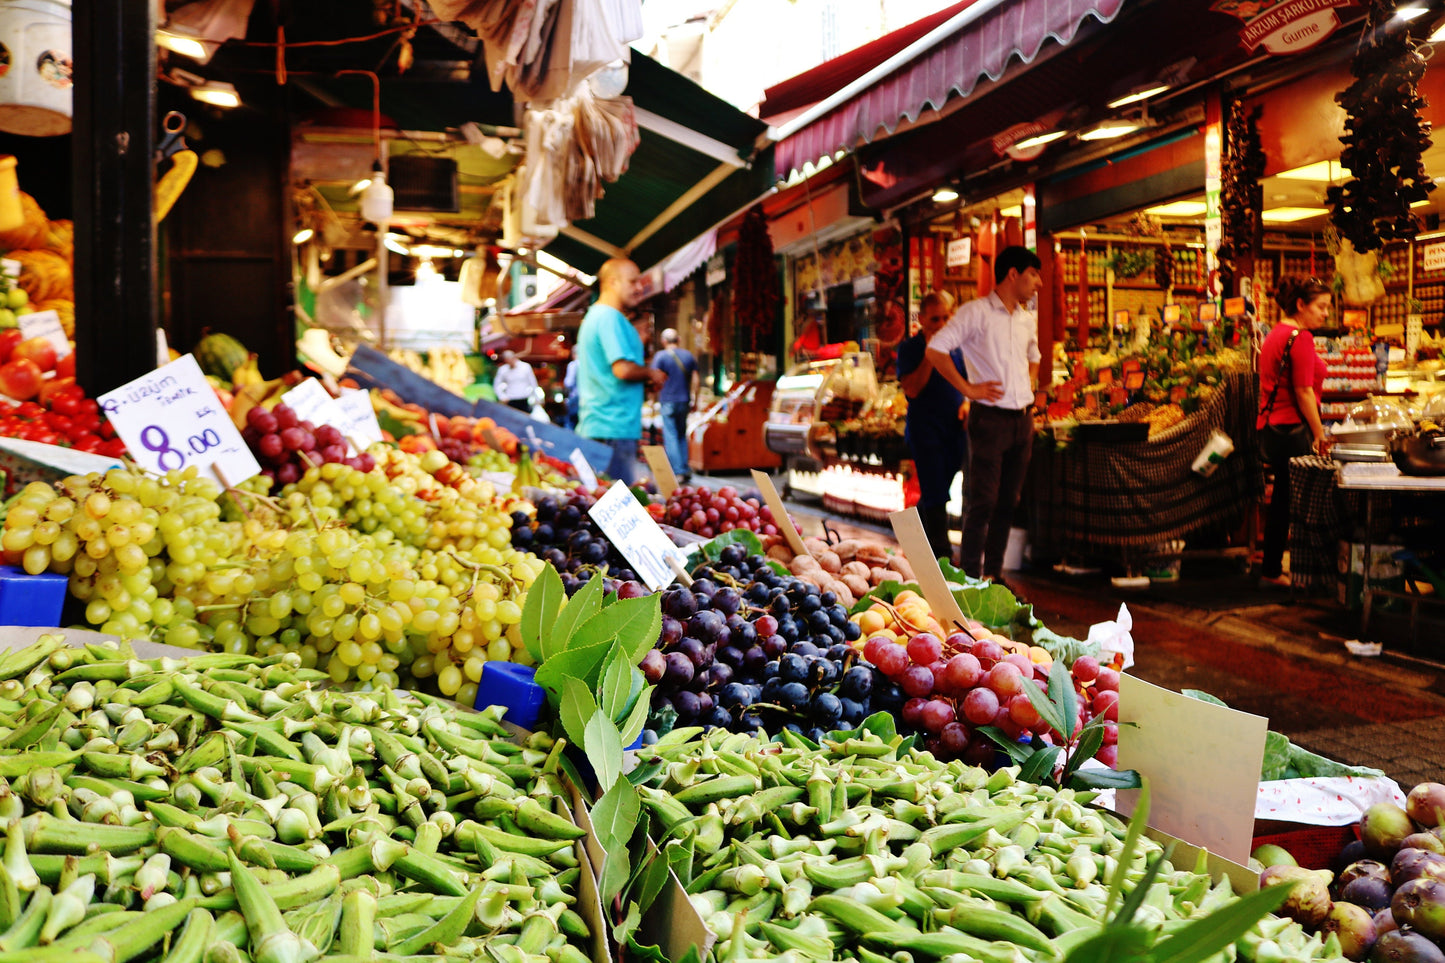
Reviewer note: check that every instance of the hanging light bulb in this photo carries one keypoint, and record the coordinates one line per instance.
(377, 198)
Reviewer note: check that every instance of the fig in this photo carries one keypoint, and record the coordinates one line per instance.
(1272, 855)
(1411, 864)
(1351, 852)
(1309, 903)
(1354, 927)
(1383, 827)
(1430, 841)
(1399, 946)
(1363, 867)
(1420, 906)
(1426, 804)
(1371, 892)
(1385, 922)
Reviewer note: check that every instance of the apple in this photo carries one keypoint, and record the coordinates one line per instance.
(16, 299)
(65, 367)
(9, 338)
(38, 350)
(20, 379)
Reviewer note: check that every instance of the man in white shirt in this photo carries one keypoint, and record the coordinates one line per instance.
(998, 335)
(515, 382)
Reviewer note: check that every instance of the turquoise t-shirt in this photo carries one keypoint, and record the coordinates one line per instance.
(610, 407)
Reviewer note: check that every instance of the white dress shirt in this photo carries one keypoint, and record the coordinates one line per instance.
(514, 382)
(998, 345)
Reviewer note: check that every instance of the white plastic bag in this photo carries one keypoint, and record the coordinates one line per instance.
(1115, 636)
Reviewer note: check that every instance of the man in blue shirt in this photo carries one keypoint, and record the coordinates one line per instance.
(611, 375)
(934, 431)
(675, 400)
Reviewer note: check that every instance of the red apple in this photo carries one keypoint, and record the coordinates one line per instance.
(9, 338)
(56, 386)
(38, 350)
(65, 367)
(20, 379)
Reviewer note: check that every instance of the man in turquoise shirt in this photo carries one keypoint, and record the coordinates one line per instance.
(611, 373)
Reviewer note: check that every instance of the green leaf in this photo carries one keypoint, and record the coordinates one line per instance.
(993, 605)
(617, 675)
(636, 720)
(1039, 767)
(680, 856)
(539, 611)
(1307, 764)
(1203, 696)
(749, 540)
(582, 664)
(579, 609)
(654, 877)
(1125, 856)
(1104, 779)
(886, 592)
(1200, 939)
(623, 931)
(603, 745)
(1047, 709)
(644, 954)
(614, 816)
(677, 737)
(1061, 693)
(1114, 944)
(577, 707)
(616, 867)
(1276, 757)
(1018, 753)
(881, 724)
(640, 775)
(633, 623)
(1089, 742)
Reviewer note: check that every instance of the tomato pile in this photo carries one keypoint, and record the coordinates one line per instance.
(63, 416)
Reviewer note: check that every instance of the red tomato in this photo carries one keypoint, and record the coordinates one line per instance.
(56, 388)
(115, 448)
(67, 404)
(20, 379)
(85, 441)
(38, 350)
(30, 410)
(65, 367)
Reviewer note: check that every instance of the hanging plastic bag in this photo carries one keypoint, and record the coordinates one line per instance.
(1115, 636)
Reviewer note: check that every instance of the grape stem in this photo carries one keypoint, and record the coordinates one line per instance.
(479, 567)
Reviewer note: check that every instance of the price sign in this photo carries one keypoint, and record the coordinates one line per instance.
(1233, 307)
(45, 324)
(583, 467)
(1432, 257)
(312, 403)
(780, 514)
(359, 416)
(662, 472)
(628, 526)
(1171, 314)
(10, 268)
(1121, 319)
(958, 253)
(1104, 376)
(170, 419)
(1134, 380)
(1208, 311)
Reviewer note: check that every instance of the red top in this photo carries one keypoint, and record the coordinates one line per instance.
(1305, 369)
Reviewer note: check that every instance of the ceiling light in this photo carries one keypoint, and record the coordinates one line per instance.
(217, 94)
(1285, 215)
(1424, 203)
(1411, 11)
(302, 236)
(184, 41)
(1138, 94)
(393, 243)
(1179, 209)
(1039, 140)
(377, 199)
(1326, 170)
(944, 194)
(1016, 211)
(1109, 129)
(359, 186)
(1438, 34)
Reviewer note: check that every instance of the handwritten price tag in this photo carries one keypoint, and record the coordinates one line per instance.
(583, 467)
(312, 403)
(45, 324)
(628, 526)
(360, 417)
(170, 419)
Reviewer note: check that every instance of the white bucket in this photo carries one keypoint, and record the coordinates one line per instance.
(1013, 553)
(35, 67)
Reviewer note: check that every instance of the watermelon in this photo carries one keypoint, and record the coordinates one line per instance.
(220, 355)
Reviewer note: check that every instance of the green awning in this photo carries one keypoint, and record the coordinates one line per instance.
(695, 166)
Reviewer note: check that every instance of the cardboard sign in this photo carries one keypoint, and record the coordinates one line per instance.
(1202, 762)
(1233, 307)
(171, 419)
(1091, 402)
(1121, 319)
(359, 417)
(908, 527)
(45, 324)
(1117, 395)
(628, 526)
(585, 474)
(958, 252)
(1066, 394)
(1208, 311)
(312, 403)
(662, 473)
(780, 514)
(1131, 364)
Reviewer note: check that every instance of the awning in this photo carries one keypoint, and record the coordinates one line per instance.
(979, 42)
(696, 166)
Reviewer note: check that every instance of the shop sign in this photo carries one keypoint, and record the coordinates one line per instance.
(1434, 257)
(1234, 307)
(1283, 26)
(960, 252)
(717, 270)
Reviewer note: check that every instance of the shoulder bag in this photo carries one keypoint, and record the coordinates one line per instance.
(1279, 443)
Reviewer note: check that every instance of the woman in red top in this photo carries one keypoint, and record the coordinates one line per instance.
(1289, 422)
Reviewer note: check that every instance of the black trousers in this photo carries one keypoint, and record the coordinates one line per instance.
(1277, 449)
(939, 452)
(1000, 443)
(521, 404)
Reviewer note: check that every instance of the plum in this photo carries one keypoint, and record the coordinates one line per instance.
(1383, 827)
(1354, 927)
(1426, 804)
(1411, 864)
(1309, 903)
(1371, 892)
(1399, 946)
(1420, 906)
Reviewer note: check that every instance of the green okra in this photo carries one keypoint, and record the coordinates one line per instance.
(857, 918)
(532, 817)
(992, 924)
(939, 945)
(715, 789)
(193, 938)
(25, 931)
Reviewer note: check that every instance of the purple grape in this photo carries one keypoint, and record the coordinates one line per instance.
(694, 650)
(671, 631)
(679, 670)
(707, 626)
(654, 664)
(681, 604)
(728, 655)
(754, 658)
(721, 674)
(705, 702)
(775, 646)
(687, 704)
(726, 600)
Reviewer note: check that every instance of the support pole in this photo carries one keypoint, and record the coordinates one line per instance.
(113, 172)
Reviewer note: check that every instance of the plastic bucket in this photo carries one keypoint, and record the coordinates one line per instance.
(35, 67)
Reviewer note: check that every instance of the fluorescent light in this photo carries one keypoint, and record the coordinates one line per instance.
(1424, 203)
(1179, 209)
(302, 236)
(1138, 94)
(1325, 170)
(1284, 215)
(1110, 129)
(944, 194)
(1439, 33)
(360, 186)
(1411, 12)
(217, 94)
(1016, 211)
(1039, 140)
(181, 40)
(393, 243)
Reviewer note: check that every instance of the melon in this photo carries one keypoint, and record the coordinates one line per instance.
(220, 355)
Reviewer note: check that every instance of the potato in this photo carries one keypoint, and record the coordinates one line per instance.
(781, 553)
(857, 584)
(847, 548)
(859, 569)
(814, 545)
(829, 561)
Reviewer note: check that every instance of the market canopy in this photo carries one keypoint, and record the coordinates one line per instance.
(696, 165)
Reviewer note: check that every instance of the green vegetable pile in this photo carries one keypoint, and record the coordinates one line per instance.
(223, 809)
(867, 847)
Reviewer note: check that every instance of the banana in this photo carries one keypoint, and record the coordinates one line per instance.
(405, 415)
(247, 374)
(527, 474)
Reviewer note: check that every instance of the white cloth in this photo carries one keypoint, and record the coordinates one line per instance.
(514, 382)
(998, 345)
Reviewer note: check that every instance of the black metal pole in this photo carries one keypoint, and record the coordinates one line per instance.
(112, 184)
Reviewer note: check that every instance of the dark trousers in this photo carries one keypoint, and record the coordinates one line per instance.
(939, 452)
(521, 404)
(1000, 442)
(1277, 450)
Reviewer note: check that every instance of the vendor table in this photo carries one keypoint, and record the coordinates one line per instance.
(1321, 516)
(1125, 498)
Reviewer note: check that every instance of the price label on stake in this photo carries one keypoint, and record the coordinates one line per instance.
(583, 467)
(45, 324)
(628, 526)
(360, 424)
(780, 514)
(313, 403)
(656, 457)
(170, 419)
(908, 527)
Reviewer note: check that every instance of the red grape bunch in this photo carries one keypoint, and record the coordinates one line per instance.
(699, 510)
(286, 446)
(956, 686)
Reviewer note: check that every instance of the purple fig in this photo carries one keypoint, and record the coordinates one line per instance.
(1354, 927)
(1385, 922)
(1364, 867)
(1411, 864)
(1426, 804)
(1420, 906)
(1399, 946)
(1429, 841)
(1383, 827)
(1371, 892)
(1351, 852)
(1309, 903)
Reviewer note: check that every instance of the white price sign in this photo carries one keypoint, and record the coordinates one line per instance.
(170, 419)
(1433, 257)
(45, 324)
(360, 417)
(958, 252)
(312, 403)
(10, 268)
(628, 526)
(585, 474)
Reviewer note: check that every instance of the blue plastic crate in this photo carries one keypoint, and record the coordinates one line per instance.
(513, 687)
(31, 599)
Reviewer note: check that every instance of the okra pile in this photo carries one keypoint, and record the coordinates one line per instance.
(223, 809)
(867, 848)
